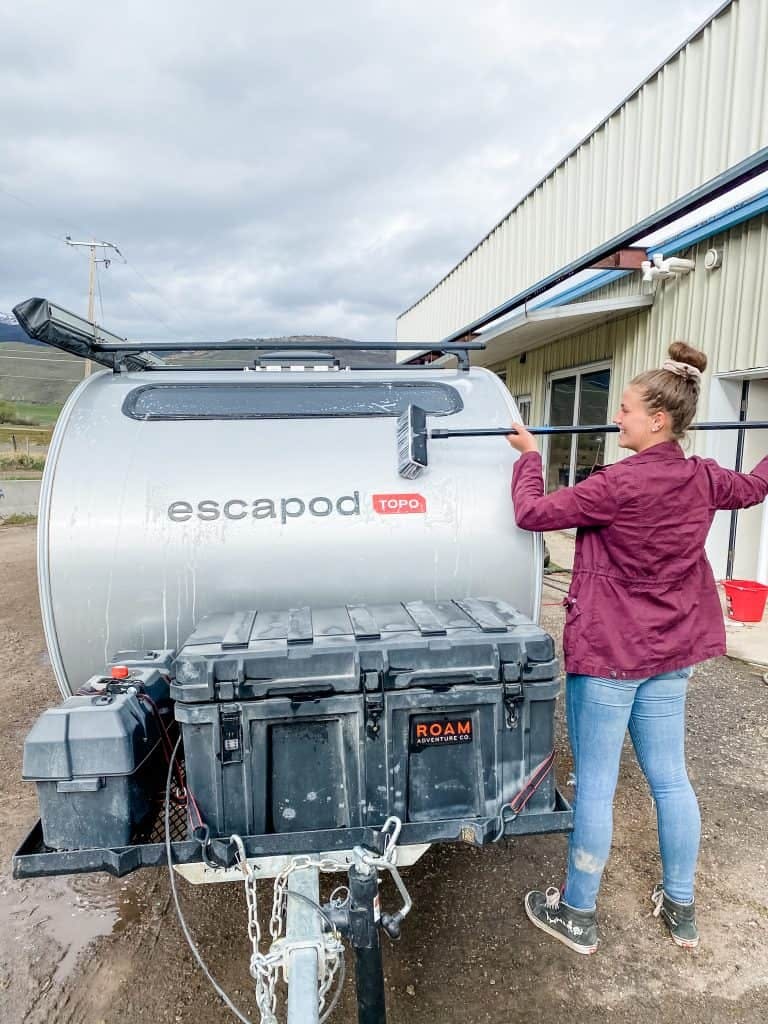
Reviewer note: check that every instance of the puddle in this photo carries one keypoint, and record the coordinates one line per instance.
(72, 912)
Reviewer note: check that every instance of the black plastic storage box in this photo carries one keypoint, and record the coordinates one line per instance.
(313, 719)
(96, 760)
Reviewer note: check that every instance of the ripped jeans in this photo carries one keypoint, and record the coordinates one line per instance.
(598, 713)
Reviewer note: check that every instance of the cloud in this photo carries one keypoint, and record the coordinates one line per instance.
(293, 168)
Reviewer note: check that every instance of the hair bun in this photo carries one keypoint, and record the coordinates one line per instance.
(684, 353)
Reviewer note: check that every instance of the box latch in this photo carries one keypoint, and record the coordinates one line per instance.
(231, 727)
(374, 709)
(513, 698)
(374, 704)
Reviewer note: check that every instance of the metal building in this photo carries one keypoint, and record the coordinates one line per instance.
(566, 330)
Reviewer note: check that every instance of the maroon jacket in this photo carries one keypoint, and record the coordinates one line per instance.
(643, 598)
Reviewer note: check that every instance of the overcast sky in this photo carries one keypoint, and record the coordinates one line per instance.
(293, 167)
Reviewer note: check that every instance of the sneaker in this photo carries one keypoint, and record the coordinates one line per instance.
(680, 918)
(577, 929)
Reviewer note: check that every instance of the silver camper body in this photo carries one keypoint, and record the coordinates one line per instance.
(171, 494)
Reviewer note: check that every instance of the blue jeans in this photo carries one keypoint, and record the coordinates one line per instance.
(598, 713)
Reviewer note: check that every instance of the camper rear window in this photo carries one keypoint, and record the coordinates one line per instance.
(288, 401)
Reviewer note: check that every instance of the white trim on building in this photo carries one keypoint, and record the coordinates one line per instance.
(531, 330)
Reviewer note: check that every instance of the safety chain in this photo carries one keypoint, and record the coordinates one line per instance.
(329, 948)
(265, 967)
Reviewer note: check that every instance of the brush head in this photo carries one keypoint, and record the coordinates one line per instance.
(412, 442)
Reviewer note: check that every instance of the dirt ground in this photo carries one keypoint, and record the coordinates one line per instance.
(100, 950)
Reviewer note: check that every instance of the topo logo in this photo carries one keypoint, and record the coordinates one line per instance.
(399, 504)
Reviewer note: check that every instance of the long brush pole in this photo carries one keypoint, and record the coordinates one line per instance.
(607, 428)
(413, 435)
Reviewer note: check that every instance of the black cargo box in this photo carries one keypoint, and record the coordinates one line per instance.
(317, 719)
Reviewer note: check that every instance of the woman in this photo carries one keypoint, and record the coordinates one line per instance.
(641, 610)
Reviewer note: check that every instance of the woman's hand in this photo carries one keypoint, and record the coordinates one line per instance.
(522, 441)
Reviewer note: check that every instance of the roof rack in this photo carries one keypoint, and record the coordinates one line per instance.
(53, 325)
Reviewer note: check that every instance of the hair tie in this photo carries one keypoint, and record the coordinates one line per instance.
(684, 370)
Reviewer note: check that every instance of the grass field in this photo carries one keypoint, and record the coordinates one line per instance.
(30, 424)
(20, 460)
(39, 437)
(18, 519)
(36, 377)
(39, 413)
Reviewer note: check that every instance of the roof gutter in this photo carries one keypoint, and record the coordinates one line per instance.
(716, 225)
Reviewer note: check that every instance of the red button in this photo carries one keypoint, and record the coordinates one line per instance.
(120, 672)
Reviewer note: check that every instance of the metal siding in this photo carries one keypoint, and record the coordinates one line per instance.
(723, 312)
(665, 140)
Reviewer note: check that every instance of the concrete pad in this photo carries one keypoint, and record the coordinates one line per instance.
(747, 641)
(19, 497)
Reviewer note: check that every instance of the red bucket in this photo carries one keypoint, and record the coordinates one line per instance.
(745, 599)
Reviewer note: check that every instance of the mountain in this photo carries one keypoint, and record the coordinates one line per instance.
(10, 330)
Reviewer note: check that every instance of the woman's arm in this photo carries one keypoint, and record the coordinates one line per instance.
(738, 490)
(590, 503)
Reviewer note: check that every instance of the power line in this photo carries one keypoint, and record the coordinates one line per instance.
(36, 208)
(95, 282)
(149, 284)
(132, 298)
(154, 288)
(148, 313)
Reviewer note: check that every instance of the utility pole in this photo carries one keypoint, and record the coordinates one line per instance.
(93, 245)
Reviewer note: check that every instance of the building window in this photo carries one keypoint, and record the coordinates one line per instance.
(501, 373)
(523, 403)
(576, 398)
